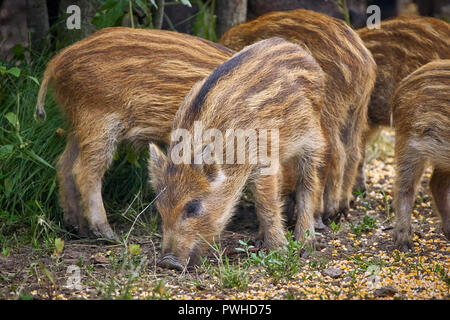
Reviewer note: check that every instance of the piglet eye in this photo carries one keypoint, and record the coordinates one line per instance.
(192, 209)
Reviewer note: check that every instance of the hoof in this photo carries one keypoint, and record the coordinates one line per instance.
(327, 215)
(446, 230)
(259, 243)
(170, 262)
(272, 244)
(319, 225)
(77, 225)
(404, 246)
(104, 232)
(332, 218)
(402, 241)
(70, 221)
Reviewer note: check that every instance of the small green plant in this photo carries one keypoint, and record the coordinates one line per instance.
(335, 228)
(442, 272)
(6, 252)
(134, 249)
(368, 266)
(160, 291)
(281, 263)
(367, 224)
(228, 274)
(361, 195)
(59, 247)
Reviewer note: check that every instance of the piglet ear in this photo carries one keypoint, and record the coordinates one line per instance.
(156, 160)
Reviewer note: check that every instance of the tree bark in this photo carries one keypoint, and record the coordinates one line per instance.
(37, 21)
(230, 13)
(158, 15)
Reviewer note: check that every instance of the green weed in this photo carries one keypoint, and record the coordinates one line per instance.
(281, 263)
(228, 274)
(367, 224)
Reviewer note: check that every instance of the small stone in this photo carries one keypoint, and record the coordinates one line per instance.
(386, 291)
(99, 259)
(333, 272)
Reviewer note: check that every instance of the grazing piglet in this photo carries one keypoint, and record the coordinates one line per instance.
(120, 84)
(349, 79)
(421, 114)
(399, 47)
(268, 98)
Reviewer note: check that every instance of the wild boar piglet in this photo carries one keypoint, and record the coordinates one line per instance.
(421, 115)
(399, 47)
(349, 79)
(251, 115)
(118, 85)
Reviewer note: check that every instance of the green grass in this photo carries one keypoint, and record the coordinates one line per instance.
(27, 157)
(280, 264)
(29, 210)
(227, 274)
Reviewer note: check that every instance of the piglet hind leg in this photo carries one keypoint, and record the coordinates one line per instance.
(90, 185)
(95, 154)
(268, 209)
(360, 187)
(440, 189)
(408, 174)
(308, 199)
(69, 197)
(334, 180)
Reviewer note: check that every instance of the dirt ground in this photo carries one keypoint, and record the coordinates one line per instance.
(349, 263)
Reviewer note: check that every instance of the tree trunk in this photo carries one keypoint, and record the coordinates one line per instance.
(37, 21)
(158, 15)
(230, 13)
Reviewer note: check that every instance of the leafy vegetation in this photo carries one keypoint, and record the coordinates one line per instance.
(367, 224)
(281, 263)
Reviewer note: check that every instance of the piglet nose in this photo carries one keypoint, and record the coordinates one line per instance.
(171, 262)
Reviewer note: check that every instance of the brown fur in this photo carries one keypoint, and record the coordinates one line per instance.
(421, 114)
(272, 84)
(120, 84)
(350, 76)
(399, 47)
